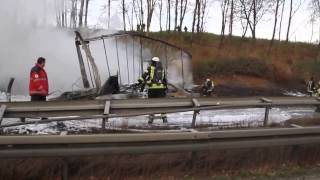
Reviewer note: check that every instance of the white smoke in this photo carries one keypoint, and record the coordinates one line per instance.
(27, 32)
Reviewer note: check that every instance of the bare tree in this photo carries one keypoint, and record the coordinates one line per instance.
(194, 15)
(315, 4)
(150, 8)
(203, 13)
(231, 18)
(61, 8)
(275, 20)
(73, 14)
(280, 24)
(169, 15)
(81, 13)
(160, 3)
(292, 12)
(176, 15)
(86, 13)
(312, 21)
(253, 11)
(109, 12)
(183, 8)
(289, 21)
(224, 9)
(198, 15)
(124, 14)
(141, 15)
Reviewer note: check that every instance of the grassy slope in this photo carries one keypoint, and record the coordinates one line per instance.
(248, 62)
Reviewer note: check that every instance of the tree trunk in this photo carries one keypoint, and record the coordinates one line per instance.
(81, 13)
(86, 14)
(204, 7)
(253, 30)
(275, 21)
(225, 4)
(124, 15)
(176, 15)
(169, 15)
(150, 9)
(109, 9)
(160, 15)
(289, 22)
(231, 18)
(183, 12)
(141, 16)
(194, 16)
(280, 24)
(199, 15)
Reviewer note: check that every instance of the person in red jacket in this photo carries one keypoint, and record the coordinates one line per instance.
(39, 86)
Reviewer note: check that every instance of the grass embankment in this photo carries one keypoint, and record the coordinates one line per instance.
(260, 163)
(247, 62)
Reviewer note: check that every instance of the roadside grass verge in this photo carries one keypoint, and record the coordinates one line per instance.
(269, 162)
(232, 66)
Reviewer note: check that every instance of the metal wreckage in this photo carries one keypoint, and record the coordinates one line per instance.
(115, 86)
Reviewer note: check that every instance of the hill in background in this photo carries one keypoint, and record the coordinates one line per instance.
(239, 62)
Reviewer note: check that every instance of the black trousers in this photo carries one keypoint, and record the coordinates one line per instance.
(156, 93)
(38, 98)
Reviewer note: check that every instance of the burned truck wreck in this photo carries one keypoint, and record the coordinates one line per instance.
(116, 73)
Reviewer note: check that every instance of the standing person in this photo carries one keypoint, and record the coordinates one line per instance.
(156, 81)
(311, 87)
(39, 86)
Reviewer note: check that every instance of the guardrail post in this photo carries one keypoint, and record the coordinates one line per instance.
(266, 116)
(267, 111)
(2, 111)
(106, 112)
(195, 113)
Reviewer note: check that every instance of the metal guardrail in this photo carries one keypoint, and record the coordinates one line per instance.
(98, 109)
(108, 144)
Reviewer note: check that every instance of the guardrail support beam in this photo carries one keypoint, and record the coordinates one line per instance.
(105, 112)
(195, 113)
(268, 107)
(266, 116)
(2, 111)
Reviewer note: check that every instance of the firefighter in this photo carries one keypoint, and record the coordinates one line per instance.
(207, 87)
(311, 88)
(39, 86)
(155, 79)
(317, 89)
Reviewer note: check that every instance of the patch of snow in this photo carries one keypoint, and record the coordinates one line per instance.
(294, 93)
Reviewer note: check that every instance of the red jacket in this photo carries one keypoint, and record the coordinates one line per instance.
(38, 81)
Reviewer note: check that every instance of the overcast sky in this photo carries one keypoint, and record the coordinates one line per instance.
(300, 30)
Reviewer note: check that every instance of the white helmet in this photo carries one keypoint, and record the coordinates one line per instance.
(155, 59)
(208, 79)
